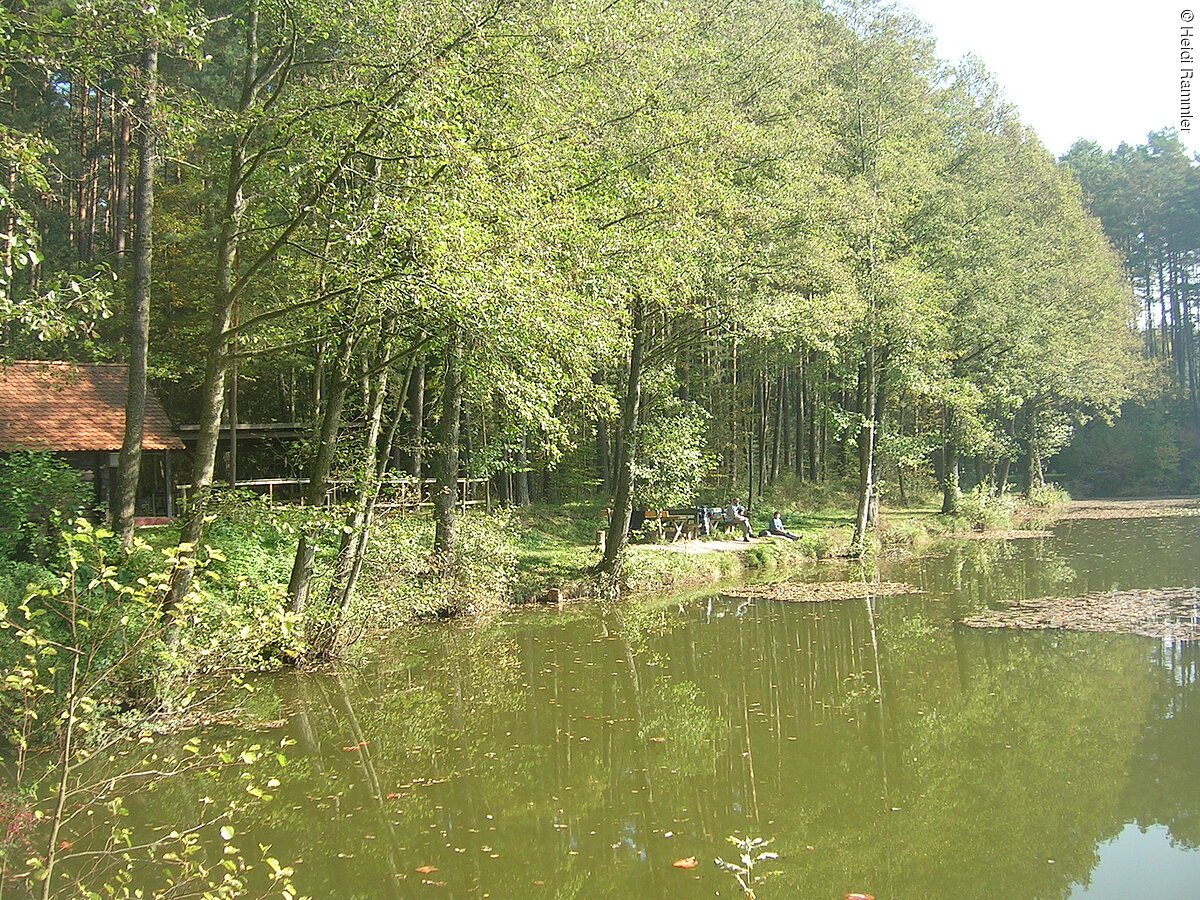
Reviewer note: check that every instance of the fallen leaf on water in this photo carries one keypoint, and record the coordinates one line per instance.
(65, 845)
(658, 740)
(394, 796)
(688, 863)
(427, 870)
(433, 883)
(860, 897)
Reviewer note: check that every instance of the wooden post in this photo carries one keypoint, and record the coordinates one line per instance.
(170, 486)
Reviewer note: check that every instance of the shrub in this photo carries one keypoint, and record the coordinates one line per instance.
(97, 653)
(39, 495)
(400, 584)
(1045, 496)
(985, 510)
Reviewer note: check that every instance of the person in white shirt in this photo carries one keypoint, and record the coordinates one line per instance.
(737, 514)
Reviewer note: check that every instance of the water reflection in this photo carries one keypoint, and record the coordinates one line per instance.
(579, 753)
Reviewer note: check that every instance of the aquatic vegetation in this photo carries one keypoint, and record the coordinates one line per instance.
(1166, 613)
(821, 591)
(750, 855)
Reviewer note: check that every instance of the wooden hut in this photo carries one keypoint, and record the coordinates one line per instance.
(77, 411)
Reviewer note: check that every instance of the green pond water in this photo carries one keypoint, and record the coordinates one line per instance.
(882, 748)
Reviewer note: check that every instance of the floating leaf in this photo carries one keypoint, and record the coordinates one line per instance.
(427, 870)
(689, 862)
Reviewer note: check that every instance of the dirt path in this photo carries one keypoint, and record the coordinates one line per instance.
(697, 547)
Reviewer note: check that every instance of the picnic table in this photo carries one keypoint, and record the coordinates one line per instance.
(682, 523)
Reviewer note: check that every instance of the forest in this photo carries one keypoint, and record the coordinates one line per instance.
(586, 258)
(633, 255)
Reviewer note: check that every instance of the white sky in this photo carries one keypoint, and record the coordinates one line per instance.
(1107, 71)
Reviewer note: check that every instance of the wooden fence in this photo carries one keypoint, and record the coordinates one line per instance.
(397, 493)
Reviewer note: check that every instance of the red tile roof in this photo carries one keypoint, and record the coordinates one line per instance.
(73, 406)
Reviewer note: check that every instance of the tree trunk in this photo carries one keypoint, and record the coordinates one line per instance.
(603, 463)
(130, 465)
(866, 455)
(320, 466)
(415, 464)
(521, 476)
(801, 414)
(783, 427)
(357, 532)
(120, 220)
(622, 508)
(950, 475)
(445, 541)
(212, 391)
(816, 454)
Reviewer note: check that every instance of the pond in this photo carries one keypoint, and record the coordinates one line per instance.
(882, 748)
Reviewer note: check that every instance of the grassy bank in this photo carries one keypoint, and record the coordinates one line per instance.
(557, 548)
(507, 557)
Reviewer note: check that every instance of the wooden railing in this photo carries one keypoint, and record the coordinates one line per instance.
(402, 493)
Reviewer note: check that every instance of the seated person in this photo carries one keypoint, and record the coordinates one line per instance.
(778, 530)
(737, 514)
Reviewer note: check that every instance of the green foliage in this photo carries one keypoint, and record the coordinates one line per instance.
(398, 583)
(1150, 450)
(39, 495)
(672, 459)
(1046, 496)
(93, 657)
(984, 509)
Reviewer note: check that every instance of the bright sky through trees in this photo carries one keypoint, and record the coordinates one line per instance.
(1076, 69)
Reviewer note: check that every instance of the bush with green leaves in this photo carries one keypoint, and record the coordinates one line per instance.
(984, 509)
(1046, 496)
(398, 582)
(96, 657)
(672, 458)
(39, 495)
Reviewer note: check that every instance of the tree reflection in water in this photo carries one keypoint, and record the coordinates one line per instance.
(578, 753)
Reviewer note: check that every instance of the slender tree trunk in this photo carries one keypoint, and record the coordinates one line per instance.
(231, 474)
(356, 532)
(445, 541)
(815, 464)
(416, 422)
(622, 508)
(879, 409)
(866, 455)
(130, 465)
(212, 391)
(521, 476)
(120, 220)
(320, 466)
(951, 490)
(801, 414)
(783, 427)
(603, 462)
